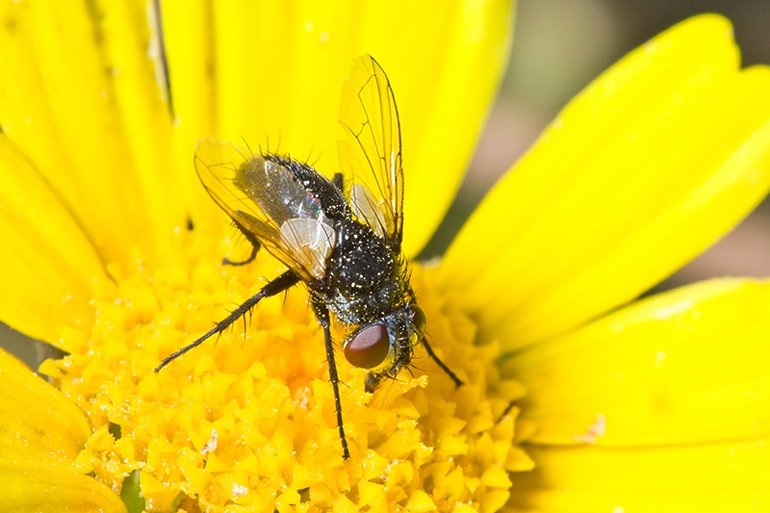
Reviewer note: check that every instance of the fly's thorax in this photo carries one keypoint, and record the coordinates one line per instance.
(364, 278)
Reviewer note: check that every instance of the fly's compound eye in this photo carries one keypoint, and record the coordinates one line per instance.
(418, 318)
(369, 347)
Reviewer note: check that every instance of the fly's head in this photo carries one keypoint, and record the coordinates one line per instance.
(386, 346)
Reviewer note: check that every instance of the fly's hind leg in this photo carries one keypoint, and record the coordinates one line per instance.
(255, 245)
(278, 285)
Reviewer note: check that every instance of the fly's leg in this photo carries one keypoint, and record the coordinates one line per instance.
(255, 245)
(458, 381)
(322, 314)
(337, 181)
(506, 411)
(372, 381)
(250, 259)
(278, 285)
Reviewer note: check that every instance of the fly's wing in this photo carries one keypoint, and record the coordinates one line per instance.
(370, 154)
(265, 201)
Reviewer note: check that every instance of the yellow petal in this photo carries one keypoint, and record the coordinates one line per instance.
(275, 78)
(133, 48)
(187, 30)
(50, 268)
(38, 424)
(685, 367)
(28, 488)
(642, 171)
(81, 98)
(729, 476)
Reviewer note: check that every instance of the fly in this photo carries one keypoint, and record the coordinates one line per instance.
(341, 238)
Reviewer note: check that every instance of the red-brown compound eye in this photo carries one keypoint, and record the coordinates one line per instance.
(369, 347)
(418, 317)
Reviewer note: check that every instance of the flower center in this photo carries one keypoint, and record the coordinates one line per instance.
(249, 419)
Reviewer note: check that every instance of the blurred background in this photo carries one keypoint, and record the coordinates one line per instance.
(559, 47)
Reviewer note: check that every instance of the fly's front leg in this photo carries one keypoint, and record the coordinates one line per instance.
(278, 285)
(322, 314)
(442, 365)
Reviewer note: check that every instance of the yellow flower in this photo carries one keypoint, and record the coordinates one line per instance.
(118, 248)
(114, 255)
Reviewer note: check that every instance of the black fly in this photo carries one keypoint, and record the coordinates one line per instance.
(341, 237)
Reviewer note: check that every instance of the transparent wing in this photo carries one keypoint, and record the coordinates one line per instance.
(370, 154)
(265, 201)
